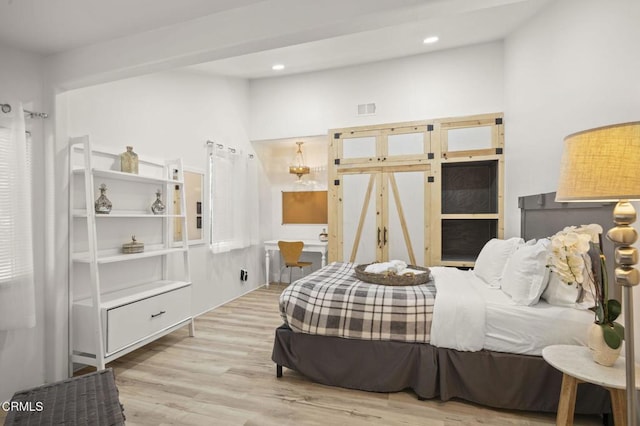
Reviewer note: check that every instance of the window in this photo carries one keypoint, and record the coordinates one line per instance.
(17, 304)
(233, 199)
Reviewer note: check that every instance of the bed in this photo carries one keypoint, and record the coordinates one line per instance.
(500, 366)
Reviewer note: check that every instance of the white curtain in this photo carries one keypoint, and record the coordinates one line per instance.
(233, 199)
(17, 300)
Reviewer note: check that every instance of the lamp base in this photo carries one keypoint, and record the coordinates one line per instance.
(622, 236)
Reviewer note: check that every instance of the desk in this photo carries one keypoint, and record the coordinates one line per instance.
(309, 246)
(578, 366)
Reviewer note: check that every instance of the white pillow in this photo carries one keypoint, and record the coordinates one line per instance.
(492, 259)
(526, 274)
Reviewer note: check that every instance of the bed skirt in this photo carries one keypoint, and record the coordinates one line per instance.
(494, 379)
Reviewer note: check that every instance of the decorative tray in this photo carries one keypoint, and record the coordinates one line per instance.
(392, 278)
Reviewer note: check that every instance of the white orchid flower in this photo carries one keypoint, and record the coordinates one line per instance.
(568, 248)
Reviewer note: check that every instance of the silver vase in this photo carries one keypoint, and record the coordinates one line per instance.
(158, 207)
(103, 204)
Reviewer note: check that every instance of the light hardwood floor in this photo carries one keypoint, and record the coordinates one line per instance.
(225, 376)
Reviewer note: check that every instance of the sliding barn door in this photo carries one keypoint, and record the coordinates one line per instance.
(405, 230)
(384, 217)
(361, 218)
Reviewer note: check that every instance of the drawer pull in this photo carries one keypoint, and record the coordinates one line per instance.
(158, 314)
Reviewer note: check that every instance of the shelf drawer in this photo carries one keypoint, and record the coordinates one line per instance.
(135, 321)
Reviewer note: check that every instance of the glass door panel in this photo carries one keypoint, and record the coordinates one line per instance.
(359, 218)
(469, 138)
(405, 144)
(359, 147)
(406, 217)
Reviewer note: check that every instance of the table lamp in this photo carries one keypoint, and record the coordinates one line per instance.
(603, 164)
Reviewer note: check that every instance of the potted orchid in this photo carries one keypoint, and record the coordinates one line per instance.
(570, 260)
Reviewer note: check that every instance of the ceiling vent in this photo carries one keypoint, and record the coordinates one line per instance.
(367, 109)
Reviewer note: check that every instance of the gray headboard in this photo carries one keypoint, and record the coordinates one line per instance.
(541, 216)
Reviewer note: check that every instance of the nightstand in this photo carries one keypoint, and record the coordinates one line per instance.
(577, 366)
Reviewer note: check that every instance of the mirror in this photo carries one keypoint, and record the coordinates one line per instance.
(193, 186)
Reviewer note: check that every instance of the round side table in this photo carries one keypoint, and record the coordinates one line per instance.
(577, 366)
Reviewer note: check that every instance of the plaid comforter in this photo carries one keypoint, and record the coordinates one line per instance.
(333, 302)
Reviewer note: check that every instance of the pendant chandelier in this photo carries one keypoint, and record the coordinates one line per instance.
(298, 167)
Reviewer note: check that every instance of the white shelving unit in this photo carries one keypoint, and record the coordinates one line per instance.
(120, 302)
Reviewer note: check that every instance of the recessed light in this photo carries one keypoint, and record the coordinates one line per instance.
(277, 67)
(430, 40)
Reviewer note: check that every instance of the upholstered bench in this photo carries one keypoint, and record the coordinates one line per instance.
(91, 399)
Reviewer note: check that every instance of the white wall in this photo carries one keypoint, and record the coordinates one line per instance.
(171, 115)
(454, 82)
(22, 352)
(573, 67)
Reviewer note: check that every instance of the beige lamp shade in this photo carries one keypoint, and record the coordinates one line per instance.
(601, 164)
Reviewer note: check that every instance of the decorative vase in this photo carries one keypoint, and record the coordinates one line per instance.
(129, 161)
(133, 246)
(102, 204)
(323, 235)
(157, 207)
(601, 352)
